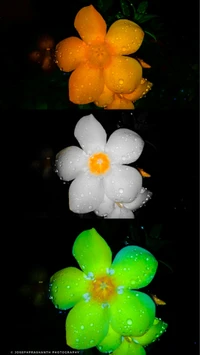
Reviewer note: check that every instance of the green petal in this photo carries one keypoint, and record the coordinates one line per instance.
(156, 330)
(86, 325)
(134, 267)
(67, 287)
(132, 313)
(111, 342)
(92, 252)
(129, 348)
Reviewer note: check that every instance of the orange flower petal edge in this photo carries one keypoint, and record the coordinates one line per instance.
(70, 52)
(142, 89)
(90, 25)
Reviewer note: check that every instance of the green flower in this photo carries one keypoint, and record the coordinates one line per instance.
(129, 345)
(102, 293)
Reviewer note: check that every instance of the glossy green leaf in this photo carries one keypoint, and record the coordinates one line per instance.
(146, 18)
(142, 7)
(125, 8)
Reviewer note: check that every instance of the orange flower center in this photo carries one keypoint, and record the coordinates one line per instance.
(99, 163)
(102, 289)
(99, 55)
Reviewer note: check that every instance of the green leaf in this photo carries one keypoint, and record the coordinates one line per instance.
(142, 7)
(151, 34)
(125, 8)
(145, 18)
(104, 5)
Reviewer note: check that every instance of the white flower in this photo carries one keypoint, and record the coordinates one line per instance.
(98, 168)
(110, 209)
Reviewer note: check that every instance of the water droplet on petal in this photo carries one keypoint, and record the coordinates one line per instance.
(121, 191)
(129, 321)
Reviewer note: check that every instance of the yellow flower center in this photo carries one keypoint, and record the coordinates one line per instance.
(102, 289)
(99, 55)
(99, 163)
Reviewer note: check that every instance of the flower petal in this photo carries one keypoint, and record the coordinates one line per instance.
(124, 37)
(129, 348)
(105, 207)
(120, 212)
(156, 330)
(105, 98)
(140, 91)
(86, 325)
(90, 24)
(90, 134)
(70, 52)
(67, 287)
(132, 313)
(85, 193)
(69, 162)
(120, 103)
(134, 267)
(85, 84)
(123, 75)
(124, 146)
(140, 200)
(122, 183)
(111, 341)
(92, 252)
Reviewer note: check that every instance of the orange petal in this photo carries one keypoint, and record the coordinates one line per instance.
(69, 53)
(143, 64)
(119, 103)
(85, 84)
(123, 74)
(90, 25)
(105, 98)
(124, 37)
(140, 91)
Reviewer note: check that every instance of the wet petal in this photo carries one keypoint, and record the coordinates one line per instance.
(105, 207)
(120, 103)
(92, 252)
(86, 84)
(124, 146)
(120, 212)
(85, 193)
(67, 287)
(90, 24)
(90, 134)
(156, 330)
(134, 267)
(124, 36)
(140, 200)
(132, 313)
(123, 74)
(105, 98)
(111, 341)
(122, 183)
(129, 348)
(70, 52)
(142, 89)
(69, 162)
(86, 325)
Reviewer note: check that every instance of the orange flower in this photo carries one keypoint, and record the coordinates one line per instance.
(111, 100)
(45, 53)
(99, 59)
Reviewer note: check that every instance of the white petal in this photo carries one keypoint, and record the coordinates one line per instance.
(140, 200)
(69, 162)
(121, 212)
(90, 134)
(105, 207)
(124, 146)
(86, 193)
(122, 183)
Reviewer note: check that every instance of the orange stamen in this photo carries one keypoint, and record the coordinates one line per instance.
(99, 163)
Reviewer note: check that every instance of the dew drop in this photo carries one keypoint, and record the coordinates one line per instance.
(129, 321)
(121, 81)
(121, 191)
